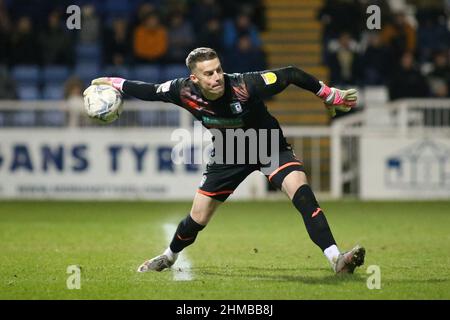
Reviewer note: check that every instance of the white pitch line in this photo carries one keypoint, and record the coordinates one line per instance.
(181, 269)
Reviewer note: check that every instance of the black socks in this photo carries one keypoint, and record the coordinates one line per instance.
(314, 218)
(185, 235)
(305, 202)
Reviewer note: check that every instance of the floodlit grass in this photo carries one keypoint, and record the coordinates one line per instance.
(250, 250)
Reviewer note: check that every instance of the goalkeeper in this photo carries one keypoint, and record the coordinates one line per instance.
(235, 102)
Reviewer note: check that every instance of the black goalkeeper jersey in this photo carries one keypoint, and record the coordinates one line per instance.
(240, 108)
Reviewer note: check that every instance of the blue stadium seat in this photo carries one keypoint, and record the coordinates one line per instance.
(88, 53)
(26, 75)
(2, 119)
(117, 71)
(174, 71)
(24, 118)
(147, 73)
(53, 92)
(28, 92)
(55, 74)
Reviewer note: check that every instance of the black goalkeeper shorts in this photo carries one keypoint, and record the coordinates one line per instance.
(220, 180)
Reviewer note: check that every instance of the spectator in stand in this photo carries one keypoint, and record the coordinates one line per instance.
(143, 10)
(407, 81)
(172, 6)
(117, 46)
(343, 16)
(254, 8)
(245, 57)
(73, 92)
(431, 12)
(73, 86)
(338, 16)
(399, 37)
(438, 88)
(24, 45)
(212, 36)
(36, 10)
(204, 10)
(432, 34)
(150, 40)
(56, 44)
(344, 61)
(181, 38)
(374, 61)
(241, 25)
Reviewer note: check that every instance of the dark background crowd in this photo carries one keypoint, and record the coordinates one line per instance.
(409, 54)
(40, 57)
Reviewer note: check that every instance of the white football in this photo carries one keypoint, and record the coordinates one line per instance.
(103, 103)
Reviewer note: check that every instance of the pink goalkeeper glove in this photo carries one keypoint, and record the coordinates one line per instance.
(336, 99)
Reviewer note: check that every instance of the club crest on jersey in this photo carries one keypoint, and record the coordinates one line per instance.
(236, 107)
(269, 78)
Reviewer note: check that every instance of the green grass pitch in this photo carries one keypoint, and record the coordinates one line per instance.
(250, 250)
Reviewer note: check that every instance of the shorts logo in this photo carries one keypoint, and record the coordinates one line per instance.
(269, 78)
(202, 182)
(236, 107)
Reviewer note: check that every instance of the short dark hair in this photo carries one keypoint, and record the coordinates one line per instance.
(199, 55)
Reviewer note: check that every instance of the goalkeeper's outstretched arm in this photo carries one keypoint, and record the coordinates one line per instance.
(271, 82)
(138, 89)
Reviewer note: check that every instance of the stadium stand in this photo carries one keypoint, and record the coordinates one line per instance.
(293, 38)
(28, 92)
(311, 34)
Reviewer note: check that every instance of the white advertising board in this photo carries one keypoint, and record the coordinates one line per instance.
(92, 163)
(404, 168)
